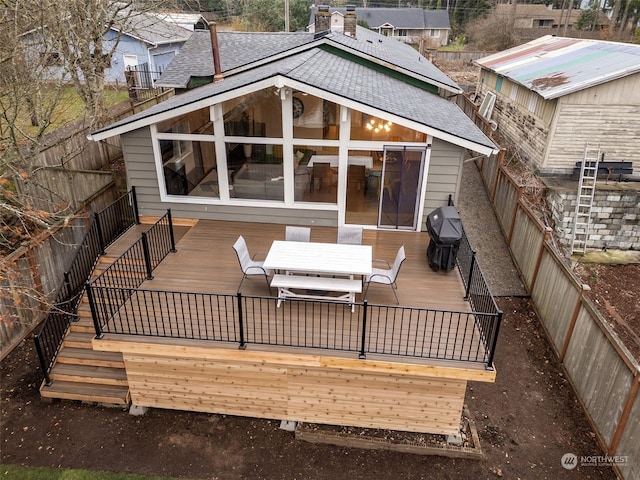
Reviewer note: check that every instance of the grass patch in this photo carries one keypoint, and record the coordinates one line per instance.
(71, 108)
(40, 473)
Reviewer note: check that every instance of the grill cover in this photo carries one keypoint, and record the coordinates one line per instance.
(444, 226)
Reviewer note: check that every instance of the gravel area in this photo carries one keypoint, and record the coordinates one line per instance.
(483, 231)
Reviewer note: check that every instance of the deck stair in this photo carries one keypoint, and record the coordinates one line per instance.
(81, 373)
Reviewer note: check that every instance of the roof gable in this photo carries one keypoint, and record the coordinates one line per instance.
(556, 66)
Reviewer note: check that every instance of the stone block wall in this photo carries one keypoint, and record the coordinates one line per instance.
(615, 218)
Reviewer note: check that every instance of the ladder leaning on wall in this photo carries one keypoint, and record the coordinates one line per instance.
(584, 200)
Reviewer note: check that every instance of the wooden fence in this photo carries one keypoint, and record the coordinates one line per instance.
(36, 272)
(457, 56)
(75, 152)
(603, 373)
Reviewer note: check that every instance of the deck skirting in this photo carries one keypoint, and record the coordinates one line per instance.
(294, 386)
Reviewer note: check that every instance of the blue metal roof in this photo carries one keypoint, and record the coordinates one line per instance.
(556, 66)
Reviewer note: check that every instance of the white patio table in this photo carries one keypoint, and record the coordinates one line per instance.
(297, 258)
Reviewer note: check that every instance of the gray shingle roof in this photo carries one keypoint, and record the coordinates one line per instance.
(241, 49)
(152, 30)
(414, 18)
(237, 49)
(345, 78)
(393, 52)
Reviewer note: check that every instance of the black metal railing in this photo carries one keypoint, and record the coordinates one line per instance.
(103, 229)
(370, 329)
(478, 293)
(115, 219)
(131, 269)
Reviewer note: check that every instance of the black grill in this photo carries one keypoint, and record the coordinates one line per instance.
(445, 232)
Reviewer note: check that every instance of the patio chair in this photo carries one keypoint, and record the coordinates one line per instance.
(297, 234)
(387, 276)
(350, 234)
(248, 265)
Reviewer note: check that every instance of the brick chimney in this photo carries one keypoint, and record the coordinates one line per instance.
(350, 21)
(323, 19)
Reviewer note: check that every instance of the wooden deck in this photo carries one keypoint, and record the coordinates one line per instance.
(273, 379)
(206, 263)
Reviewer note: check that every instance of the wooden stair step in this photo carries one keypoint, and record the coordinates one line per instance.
(83, 356)
(84, 323)
(86, 392)
(79, 339)
(89, 374)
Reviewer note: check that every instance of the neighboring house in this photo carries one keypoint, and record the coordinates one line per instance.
(533, 16)
(554, 95)
(409, 25)
(146, 42)
(143, 41)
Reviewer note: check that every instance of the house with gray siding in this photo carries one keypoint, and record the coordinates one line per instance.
(318, 129)
(409, 25)
(554, 95)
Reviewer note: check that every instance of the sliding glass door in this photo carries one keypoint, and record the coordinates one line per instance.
(401, 181)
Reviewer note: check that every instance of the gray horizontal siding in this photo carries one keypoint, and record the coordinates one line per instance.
(444, 175)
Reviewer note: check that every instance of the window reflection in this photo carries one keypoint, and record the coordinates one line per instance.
(314, 117)
(190, 168)
(257, 114)
(193, 122)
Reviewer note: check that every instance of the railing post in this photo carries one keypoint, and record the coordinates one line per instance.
(94, 313)
(494, 341)
(173, 239)
(473, 261)
(43, 365)
(67, 284)
(242, 345)
(363, 341)
(147, 256)
(99, 232)
(134, 201)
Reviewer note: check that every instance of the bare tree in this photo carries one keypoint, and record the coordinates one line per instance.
(493, 32)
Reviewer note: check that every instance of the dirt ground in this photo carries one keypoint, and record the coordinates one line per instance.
(615, 289)
(526, 422)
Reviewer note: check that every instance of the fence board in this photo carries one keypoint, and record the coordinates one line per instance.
(600, 376)
(629, 444)
(555, 295)
(526, 239)
(505, 202)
